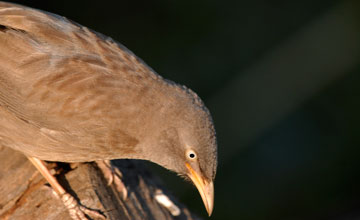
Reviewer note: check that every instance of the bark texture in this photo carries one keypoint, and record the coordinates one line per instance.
(24, 193)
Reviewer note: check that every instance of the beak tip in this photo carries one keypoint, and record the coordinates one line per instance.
(209, 212)
(209, 198)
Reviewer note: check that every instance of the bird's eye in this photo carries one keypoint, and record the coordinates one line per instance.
(191, 154)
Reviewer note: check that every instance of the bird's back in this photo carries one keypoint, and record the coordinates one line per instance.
(66, 90)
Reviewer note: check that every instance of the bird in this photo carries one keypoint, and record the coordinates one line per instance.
(70, 94)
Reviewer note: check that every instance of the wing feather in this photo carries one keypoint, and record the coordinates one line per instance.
(65, 84)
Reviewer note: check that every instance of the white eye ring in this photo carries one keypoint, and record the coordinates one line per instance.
(191, 154)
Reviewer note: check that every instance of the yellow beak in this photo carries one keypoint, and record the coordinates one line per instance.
(205, 188)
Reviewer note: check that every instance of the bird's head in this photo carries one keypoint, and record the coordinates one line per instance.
(186, 144)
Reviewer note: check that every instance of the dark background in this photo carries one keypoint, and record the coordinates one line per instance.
(281, 79)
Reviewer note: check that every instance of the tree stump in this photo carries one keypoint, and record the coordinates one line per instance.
(25, 194)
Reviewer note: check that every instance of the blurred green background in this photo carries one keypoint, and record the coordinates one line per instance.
(282, 81)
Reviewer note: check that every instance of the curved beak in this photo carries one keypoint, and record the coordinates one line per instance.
(205, 188)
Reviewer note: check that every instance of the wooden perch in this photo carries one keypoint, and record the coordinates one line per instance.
(24, 194)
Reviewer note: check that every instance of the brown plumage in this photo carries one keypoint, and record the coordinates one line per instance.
(70, 94)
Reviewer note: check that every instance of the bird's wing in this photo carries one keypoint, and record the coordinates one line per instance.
(68, 82)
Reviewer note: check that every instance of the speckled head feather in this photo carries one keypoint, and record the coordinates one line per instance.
(70, 94)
